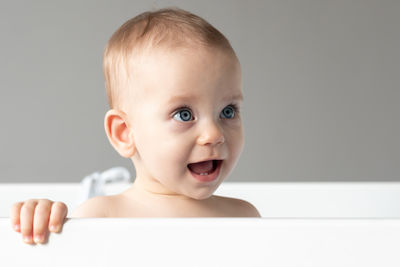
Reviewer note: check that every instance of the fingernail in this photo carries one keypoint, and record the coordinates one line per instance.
(16, 227)
(27, 239)
(53, 228)
(38, 238)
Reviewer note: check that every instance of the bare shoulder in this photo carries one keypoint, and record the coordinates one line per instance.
(93, 207)
(238, 207)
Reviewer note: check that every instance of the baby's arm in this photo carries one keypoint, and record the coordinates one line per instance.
(37, 215)
(248, 209)
(92, 208)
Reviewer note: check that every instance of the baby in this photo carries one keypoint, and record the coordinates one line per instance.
(174, 88)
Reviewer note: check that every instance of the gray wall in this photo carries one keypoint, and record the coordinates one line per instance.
(321, 87)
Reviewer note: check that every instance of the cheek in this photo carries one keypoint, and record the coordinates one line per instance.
(236, 143)
(163, 148)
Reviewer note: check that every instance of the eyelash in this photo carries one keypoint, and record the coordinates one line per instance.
(233, 105)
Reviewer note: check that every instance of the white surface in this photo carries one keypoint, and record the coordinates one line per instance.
(277, 242)
(210, 242)
(359, 200)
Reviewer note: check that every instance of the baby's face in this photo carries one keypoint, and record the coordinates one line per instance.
(185, 113)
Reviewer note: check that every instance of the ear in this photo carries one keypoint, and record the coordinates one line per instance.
(118, 133)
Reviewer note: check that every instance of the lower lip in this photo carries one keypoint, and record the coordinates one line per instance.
(207, 178)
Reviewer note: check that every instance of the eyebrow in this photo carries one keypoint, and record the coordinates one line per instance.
(235, 97)
(178, 98)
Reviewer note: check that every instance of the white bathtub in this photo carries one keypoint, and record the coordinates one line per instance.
(303, 224)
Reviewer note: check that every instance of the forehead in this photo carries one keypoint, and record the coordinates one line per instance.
(189, 73)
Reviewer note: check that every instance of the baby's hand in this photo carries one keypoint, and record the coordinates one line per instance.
(37, 215)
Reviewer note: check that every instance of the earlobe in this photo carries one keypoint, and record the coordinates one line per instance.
(119, 133)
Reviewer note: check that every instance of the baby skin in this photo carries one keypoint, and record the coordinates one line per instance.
(181, 126)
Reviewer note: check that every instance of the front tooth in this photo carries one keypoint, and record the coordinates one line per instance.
(204, 173)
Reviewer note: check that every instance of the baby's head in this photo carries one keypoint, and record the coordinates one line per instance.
(174, 88)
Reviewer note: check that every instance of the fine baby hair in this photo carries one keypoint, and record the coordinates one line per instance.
(168, 29)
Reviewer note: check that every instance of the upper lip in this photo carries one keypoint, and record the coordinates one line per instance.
(207, 160)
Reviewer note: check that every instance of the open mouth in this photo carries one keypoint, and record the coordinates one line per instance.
(204, 167)
(205, 171)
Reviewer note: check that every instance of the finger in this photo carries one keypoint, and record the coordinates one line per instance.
(41, 220)
(15, 215)
(26, 219)
(58, 213)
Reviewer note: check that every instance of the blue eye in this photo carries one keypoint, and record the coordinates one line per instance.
(184, 114)
(228, 112)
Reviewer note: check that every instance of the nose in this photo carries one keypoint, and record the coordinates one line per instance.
(211, 134)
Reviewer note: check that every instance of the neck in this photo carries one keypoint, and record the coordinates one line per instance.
(145, 188)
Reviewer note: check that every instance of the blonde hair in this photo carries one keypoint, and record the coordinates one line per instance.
(168, 28)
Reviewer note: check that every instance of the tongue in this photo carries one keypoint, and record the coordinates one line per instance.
(201, 167)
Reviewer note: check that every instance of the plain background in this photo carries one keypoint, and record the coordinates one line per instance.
(321, 85)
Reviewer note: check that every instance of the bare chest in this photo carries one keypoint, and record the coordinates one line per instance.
(215, 207)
